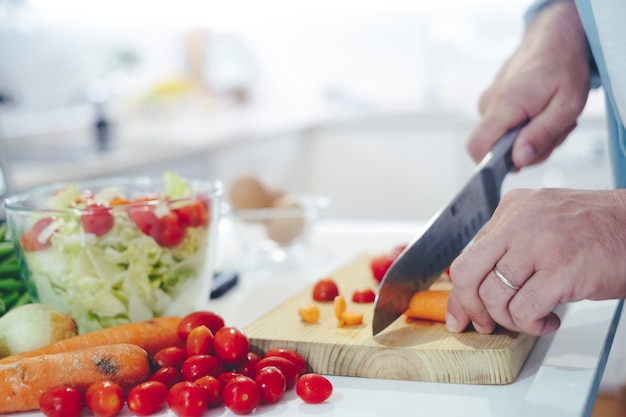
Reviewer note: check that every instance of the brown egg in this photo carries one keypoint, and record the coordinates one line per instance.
(285, 229)
(275, 194)
(247, 192)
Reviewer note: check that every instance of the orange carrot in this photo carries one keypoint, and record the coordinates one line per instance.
(428, 305)
(23, 382)
(151, 335)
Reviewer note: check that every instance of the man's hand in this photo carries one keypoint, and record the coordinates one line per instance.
(546, 81)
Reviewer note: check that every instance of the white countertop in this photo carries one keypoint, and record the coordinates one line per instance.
(560, 377)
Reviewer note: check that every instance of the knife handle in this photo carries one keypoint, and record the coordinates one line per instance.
(499, 159)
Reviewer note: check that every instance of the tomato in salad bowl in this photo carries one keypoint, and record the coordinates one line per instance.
(118, 249)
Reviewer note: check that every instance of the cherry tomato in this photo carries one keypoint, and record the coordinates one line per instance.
(170, 232)
(146, 398)
(363, 296)
(313, 388)
(379, 265)
(213, 386)
(30, 239)
(171, 357)
(246, 367)
(168, 376)
(291, 355)
(97, 219)
(197, 366)
(195, 213)
(144, 217)
(199, 341)
(285, 365)
(271, 383)
(104, 398)
(231, 344)
(188, 399)
(208, 318)
(226, 376)
(61, 402)
(241, 395)
(325, 290)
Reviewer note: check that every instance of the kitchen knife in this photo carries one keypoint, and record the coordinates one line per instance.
(445, 235)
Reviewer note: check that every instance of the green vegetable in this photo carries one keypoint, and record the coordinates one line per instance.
(12, 288)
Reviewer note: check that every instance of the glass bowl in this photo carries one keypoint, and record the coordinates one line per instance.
(278, 235)
(119, 249)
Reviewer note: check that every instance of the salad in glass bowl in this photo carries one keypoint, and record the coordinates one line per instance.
(117, 250)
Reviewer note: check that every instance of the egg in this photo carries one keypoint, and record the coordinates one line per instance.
(284, 229)
(248, 192)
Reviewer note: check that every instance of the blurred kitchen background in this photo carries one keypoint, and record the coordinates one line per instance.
(366, 101)
(369, 102)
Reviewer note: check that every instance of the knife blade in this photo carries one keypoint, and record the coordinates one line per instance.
(446, 234)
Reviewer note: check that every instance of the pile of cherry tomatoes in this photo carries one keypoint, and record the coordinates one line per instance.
(213, 367)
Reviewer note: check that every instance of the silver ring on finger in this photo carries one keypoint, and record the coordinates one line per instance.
(505, 280)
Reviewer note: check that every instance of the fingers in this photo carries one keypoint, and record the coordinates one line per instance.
(519, 299)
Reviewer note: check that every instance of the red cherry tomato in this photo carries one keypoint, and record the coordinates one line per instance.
(285, 365)
(246, 367)
(197, 366)
(171, 231)
(195, 213)
(168, 376)
(146, 398)
(231, 344)
(226, 376)
(241, 395)
(61, 402)
(208, 318)
(97, 219)
(325, 290)
(363, 296)
(292, 355)
(30, 239)
(379, 265)
(214, 387)
(271, 383)
(144, 217)
(104, 398)
(188, 399)
(171, 357)
(199, 341)
(313, 388)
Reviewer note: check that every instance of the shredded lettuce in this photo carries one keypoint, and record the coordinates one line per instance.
(119, 277)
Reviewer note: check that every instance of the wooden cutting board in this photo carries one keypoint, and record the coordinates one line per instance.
(416, 350)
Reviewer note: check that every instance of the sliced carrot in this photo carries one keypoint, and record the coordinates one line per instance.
(428, 305)
(151, 335)
(351, 317)
(340, 306)
(23, 382)
(310, 313)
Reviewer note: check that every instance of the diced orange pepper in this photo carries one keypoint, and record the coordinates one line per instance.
(351, 317)
(339, 303)
(310, 313)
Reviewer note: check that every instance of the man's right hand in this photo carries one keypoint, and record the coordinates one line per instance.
(546, 81)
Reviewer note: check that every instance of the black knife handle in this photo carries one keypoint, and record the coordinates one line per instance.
(499, 159)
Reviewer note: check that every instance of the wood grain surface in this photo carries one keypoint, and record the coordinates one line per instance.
(415, 350)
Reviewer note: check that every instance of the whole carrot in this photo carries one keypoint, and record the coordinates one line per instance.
(428, 305)
(151, 335)
(23, 382)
